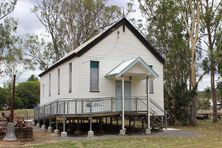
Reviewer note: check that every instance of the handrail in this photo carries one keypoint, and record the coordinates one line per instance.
(159, 107)
(146, 104)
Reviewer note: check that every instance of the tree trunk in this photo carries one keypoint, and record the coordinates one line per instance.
(213, 93)
(193, 84)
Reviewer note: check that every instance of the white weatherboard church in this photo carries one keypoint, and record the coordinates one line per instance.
(107, 74)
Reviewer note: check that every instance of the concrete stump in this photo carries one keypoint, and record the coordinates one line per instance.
(56, 132)
(43, 127)
(38, 125)
(148, 131)
(10, 133)
(63, 134)
(122, 132)
(90, 134)
(50, 129)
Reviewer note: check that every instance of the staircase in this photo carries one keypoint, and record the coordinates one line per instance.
(156, 121)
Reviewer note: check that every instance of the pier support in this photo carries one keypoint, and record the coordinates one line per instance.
(56, 131)
(123, 130)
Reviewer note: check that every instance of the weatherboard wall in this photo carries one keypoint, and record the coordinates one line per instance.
(111, 51)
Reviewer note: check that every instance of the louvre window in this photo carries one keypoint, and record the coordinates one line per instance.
(49, 84)
(94, 76)
(151, 90)
(70, 77)
(58, 81)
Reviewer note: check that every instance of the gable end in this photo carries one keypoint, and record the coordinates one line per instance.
(123, 21)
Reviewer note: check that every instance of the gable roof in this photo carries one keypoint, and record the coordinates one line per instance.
(96, 39)
(125, 66)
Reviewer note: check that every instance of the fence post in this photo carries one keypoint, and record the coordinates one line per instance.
(90, 132)
(82, 106)
(136, 105)
(64, 133)
(165, 114)
(50, 113)
(112, 102)
(57, 107)
(43, 126)
(76, 106)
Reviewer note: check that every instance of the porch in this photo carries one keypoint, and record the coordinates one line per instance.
(80, 112)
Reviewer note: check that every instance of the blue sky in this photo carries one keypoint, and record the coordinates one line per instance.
(28, 23)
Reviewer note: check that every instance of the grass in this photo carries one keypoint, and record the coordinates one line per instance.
(210, 136)
(22, 113)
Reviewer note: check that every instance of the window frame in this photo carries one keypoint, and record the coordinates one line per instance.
(98, 66)
(70, 77)
(58, 81)
(151, 84)
(50, 83)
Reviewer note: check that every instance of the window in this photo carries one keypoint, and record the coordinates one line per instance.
(151, 87)
(94, 76)
(151, 90)
(43, 91)
(58, 81)
(49, 84)
(70, 77)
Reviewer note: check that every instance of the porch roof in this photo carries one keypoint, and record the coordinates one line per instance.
(125, 67)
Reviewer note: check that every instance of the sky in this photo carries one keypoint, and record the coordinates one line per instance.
(29, 23)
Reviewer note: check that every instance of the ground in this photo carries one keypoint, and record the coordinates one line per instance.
(206, 134)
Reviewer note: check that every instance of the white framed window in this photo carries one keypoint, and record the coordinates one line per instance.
(151, 89)
(49, 84)
(70, 77)
(58, 81)
(94, 76)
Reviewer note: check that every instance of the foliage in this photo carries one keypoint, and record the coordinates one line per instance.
(4, 96)
(177, 29)
(211, 22)
(69, 24)
(33, 78)
(166, 31)
(7, 26)
(27, 94)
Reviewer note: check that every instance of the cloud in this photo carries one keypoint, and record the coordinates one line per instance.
(27, 20)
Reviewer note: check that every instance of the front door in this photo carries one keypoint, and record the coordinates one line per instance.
(127, 95)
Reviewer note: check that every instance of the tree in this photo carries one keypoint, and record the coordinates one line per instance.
(191, 16)
(165, 31)
(4, 96)
(71, 23)
(7, 26)
(173, 27)
(211, 20)
(33, 78)
(27, 94)
(40, 51)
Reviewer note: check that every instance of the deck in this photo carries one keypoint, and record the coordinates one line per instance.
(89, 109)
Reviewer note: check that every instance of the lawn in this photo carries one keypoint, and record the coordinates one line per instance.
(210, 135)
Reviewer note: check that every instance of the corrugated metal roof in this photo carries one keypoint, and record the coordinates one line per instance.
(123, 67)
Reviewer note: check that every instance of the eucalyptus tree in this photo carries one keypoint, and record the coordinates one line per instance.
(7, 26)
(212, 26)
(166, 31)
(71, 23)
